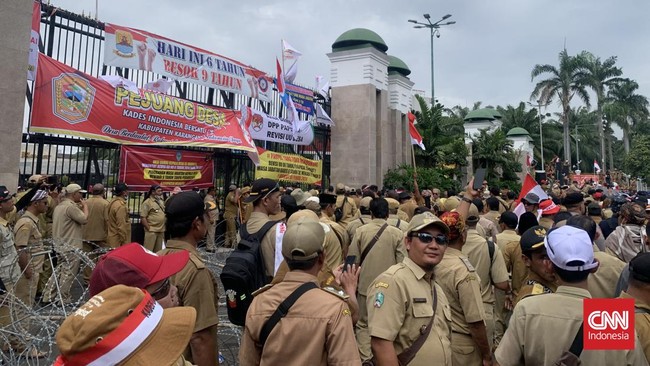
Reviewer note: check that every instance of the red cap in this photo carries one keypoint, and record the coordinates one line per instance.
(133, 265)
(598, 195)
(549, 207)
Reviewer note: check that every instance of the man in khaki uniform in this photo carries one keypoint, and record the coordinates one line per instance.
(265, 197)
(639, 290)
(230, 213)
(388, 249)
(350, 211)
(364, 210)
(187, 224)
(541, 278)
(490, 230)
(508, 224)
(327, 203)
(67, 232)
(52, 202)
(458, 279)
(549, 210)
(492, 205)
(152, 216)
(245, 209)
(490, 268)
(327, 338)
(527, 340)
(214, 216)
(393, 215)
(117, 217)
(95, 230)
(401, 300)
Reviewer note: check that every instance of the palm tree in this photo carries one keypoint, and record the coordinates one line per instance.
(628, 108)
(563, 83)
(459, 112)
(495, 152)
(602, 75)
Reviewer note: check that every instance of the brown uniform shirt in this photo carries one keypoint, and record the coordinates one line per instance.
(400, 303)
(387, 251)
(68, 223)
(350, 211)
(317, 330)
(494, 217)
(505, 237)
(393, 220)
(489, 270)
(458, 279)
(602, 283)
(213, 214)
(515, 265)
(403, 216)
(546, 221)
(118, 223)
(332, 248)
(641, 323)
(231, 209)
(409, 207)
(357, 223)
(27, 233)
(154, 211)
(9, 269)
(95, 229)
(340, 233)
(534, 285)
(254, 224)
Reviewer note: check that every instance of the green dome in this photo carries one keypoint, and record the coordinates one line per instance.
(398, 66)
(358, 38)
(517, 131)
(496, 113)
(480, 114)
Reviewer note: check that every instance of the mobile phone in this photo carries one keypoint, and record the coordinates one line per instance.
(479, 176)
(349, 261)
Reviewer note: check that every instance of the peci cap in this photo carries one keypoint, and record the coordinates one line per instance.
(261, 188)
(133, 265)
(420, 221)
(300, 196)
(509, 218)
(74, 188)
(303, 240)
(154, 187)
(326, 198)
(572, 198)
(531, 197)
(124, 326)
(568, 244)
(594, 209)
(533, 238)
(404, 195)
(549, 207)
(365, 202)
(185, 205)
(640, 267)
(120, 188)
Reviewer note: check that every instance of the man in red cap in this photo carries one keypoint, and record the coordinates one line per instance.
(549, 210)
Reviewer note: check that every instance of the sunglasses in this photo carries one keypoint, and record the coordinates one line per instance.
(427, 238)
(162, 291)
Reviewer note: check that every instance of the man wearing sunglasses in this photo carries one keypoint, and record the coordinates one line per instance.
(402, 300)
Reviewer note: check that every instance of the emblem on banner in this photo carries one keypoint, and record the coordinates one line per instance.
(72, 97)
(257, 123)
(123, 44)
(264, 84)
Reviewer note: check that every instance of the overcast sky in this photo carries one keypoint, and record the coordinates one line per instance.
(486, 56)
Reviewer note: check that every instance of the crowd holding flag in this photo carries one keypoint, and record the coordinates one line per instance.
(529, 186)
(416, 138)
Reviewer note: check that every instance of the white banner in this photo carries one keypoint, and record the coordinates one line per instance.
(264, 127)
(137, 49)
(32, 61)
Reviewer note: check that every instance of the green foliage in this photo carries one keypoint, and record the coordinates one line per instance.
(637, 162)
(402, 176)
(494, 152)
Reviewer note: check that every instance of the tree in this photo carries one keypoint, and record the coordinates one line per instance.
(601, 76)
(628, 108)
(564, 82)
(637, 162)
(494, 152)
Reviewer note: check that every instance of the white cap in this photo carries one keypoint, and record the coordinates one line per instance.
(567, 244)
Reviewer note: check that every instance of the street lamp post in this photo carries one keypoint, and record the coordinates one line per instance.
(539, 106)
(433, 28)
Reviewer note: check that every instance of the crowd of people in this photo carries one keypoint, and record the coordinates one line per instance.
(354, 276)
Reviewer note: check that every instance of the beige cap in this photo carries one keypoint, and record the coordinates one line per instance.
(73, 188)
(419, 222)
(340, 187)
(451, 203)
(300, 196)
(37, 178)
(393, 204)
(365, 202)
(303, 239)
(472, 214)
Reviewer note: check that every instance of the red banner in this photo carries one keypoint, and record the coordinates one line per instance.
(69, 102)
(141, 167)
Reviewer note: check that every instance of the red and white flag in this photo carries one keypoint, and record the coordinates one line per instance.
(416, 138)
(528, 160)
(529, 186)
(161, 85)
(596, 167)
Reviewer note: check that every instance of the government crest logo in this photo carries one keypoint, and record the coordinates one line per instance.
(72, 98)
(123, 44)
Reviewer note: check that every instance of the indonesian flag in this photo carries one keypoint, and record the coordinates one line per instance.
(162, 85)
(528, 160)
(416, 139)
(245, 120)
(529, 186)
(596, 166)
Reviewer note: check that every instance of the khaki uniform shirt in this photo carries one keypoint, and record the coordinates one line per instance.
(409, 207)
(9, 269)
(357, 223)
(68, 223)
(534, 285)
(231, 209)
(95, 229)
(503, 206)
(350, 211)
(254, 224)
(491, 230)
(332, 248)
(515, 264)
(493, 216)
(339, 232)
(602, 283)
(489, 270)
(27, 233)
(49, 217)
(400, 303)
(641, 323)
(403, 216)
(542, 327)
(393, 220)
(154, 211)
(505, 237)
(213, 214)
(547, 222)
(458, 279)
(118, 223)
(387, 251)
(317, 330)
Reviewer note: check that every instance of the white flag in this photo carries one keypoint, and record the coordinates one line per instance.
(288, 52)
(293, 117)
(322, 88)
(116, 80)
(291, 72)
(322, 117)
(161, 85)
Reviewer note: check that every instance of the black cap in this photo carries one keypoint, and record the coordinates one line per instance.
(5, 194)
(154, 187)
(404, 196)
(572, 198)
(120, 187)
(184, 205)
(533, 238)
(326, 198)
(594, 209)
(261, 188)
(640, 267)
(509, 218)
(288, 201)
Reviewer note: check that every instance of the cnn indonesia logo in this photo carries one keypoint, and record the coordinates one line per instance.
(608, 324)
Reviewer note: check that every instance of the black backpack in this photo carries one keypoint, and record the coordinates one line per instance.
(338, 212)
(244, 273)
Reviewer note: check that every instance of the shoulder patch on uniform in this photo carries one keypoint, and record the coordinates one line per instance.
(346, 312)
(381, 284)
(340, 294)
(262, 289)
(198, 262)
(537, 289)
(467, 264)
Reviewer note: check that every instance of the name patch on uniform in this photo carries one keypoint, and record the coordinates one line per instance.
(419, 300)
(381, 284)
(379, 300)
